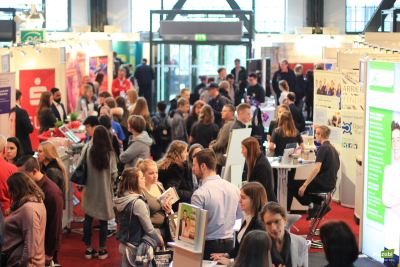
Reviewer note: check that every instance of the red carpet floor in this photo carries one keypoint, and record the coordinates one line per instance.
(73, 248)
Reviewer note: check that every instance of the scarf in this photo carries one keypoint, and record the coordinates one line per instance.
(282, 257)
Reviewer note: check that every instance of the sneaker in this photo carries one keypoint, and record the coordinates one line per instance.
(110, 233)
(97, 227)
(312, 212)
(103, 255)
(92, 253)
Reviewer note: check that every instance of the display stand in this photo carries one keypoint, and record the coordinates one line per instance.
(234, 153)
(184, 254)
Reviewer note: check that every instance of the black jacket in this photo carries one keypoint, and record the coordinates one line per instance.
(298, 117)
(289, 76)
(242, 77)
(301, 90)
(55, 173)
(262, 173)
(144, 75)
(180, 178)
(24, 127)
(196, 93)
(257, 92)
(47, 120)
(217, 104)
(57, 114)
(255, 224)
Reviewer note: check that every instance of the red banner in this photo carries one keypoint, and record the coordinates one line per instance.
(32, 84)
(99, 65)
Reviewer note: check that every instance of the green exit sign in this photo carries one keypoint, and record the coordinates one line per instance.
(200, 37)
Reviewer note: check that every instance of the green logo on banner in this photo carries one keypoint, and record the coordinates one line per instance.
(32, 35)
(387, 254)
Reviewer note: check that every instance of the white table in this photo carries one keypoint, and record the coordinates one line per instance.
(283, 170)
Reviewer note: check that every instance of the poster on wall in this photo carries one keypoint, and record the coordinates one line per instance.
(99, 65)
(32, 84)
(381, 218)
(76, 63)
(5, 62)
(7, 113)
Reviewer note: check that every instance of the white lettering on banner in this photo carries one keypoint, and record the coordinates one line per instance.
(35, 92)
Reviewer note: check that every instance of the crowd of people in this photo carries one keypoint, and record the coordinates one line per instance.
(145, 155)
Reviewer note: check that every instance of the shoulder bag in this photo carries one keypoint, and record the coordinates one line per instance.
(80, 174)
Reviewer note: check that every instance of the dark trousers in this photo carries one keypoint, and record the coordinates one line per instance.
(310, 112)
(158, 151)
(217, 246)
(87, 232)
(307, 198)
(145, 91)
(291, 175)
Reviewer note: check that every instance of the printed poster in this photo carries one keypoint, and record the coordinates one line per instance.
(7, 102)
(99, 65)
(76, 63)
(32, 84)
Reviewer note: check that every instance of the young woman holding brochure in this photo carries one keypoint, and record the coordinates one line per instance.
(152, 191)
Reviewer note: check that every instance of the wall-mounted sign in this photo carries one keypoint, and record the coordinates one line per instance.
(32, 35)
(200, 37)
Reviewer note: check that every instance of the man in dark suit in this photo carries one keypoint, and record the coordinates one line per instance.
(57, 107)
(23, 125)
(297, 115)
(144, 76)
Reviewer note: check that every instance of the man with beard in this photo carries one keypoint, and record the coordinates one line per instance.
(220, 198)
(57, 106)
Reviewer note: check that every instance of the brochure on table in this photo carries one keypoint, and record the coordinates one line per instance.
(339, 103)
(381, 216)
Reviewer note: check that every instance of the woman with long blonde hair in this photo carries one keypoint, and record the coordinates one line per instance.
(284, 135)
(205, 130)
(132, 96)
(152, 191)
(52, 165)
(173, 171)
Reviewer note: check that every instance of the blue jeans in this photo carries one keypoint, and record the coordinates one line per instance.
(87, 232)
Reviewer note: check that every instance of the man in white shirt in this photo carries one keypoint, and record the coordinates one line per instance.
(57, 107)
(220, 198)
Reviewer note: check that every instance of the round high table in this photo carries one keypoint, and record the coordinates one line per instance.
(283, 170)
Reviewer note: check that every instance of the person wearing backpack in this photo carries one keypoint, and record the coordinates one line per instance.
(162, 131)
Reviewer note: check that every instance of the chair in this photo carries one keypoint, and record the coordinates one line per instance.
(314, 227)
(292, 219)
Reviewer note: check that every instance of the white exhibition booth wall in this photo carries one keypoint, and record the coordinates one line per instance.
(380, 229)
(57, 66)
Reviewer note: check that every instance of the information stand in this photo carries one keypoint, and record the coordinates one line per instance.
(189, 245)
(235, 160)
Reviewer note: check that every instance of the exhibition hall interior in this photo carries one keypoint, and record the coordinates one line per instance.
(183, 133)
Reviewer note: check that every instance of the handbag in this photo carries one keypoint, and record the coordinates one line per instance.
(80, 174)
(162, 258)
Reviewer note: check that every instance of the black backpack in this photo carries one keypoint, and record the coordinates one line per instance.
(162, 132)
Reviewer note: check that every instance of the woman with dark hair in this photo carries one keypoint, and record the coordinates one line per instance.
(98, 83)
(24, 228)
(194, 115)
(255, 251)
(133, 214)
(105, 120)
(97, 194)
(252, 199)
(259, 168)
(287, 249)
(339, 243)
(46, 116)
(121, 103)
(14, 150)
(173, 171)
(205, 130)
(193, 150)
(285, 134)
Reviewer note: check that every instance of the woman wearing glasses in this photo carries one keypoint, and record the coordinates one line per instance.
(287, 249)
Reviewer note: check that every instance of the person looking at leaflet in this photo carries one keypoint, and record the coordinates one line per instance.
(220, 198)
(252, 199)
(287, 249)
(322, 178)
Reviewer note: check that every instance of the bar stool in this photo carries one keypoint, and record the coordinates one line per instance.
(314, 227)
